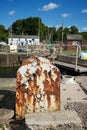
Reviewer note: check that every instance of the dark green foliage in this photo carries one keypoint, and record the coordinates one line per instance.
(3, 33)
(73, 30)
(34, 26)
(84, 34)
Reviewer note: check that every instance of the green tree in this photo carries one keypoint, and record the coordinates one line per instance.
(73, 30)
(29, 26)
(34, 26)
(65, 32)
(59, 33)
(3, 33)
(17, 28)
(84, 34)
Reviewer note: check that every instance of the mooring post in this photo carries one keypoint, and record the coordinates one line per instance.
(37, 87)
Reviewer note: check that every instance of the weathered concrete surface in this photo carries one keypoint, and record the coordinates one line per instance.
(7, 83)
(82, 80)
(5, 115)
(11, 59)
(71, 93)
(42, 121)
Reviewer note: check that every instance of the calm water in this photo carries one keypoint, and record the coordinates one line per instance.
(8, 72)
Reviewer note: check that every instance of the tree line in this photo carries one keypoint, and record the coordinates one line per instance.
(35, 26)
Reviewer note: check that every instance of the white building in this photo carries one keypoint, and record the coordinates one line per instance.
(23, 40)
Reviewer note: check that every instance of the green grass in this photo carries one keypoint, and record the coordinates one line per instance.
(84, 50)
(7, 126)
(69, 52)
(1, 125)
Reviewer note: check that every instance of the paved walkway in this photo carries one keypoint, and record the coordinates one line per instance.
(71, 93)
(53, 119)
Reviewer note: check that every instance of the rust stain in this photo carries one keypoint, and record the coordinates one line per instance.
(37, 87)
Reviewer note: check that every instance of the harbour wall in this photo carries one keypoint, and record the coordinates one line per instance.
(15, 59)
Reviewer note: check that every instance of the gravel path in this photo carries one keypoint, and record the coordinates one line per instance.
(81, 109)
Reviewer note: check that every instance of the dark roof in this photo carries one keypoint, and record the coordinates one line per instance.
(23, 36)
(74, 37)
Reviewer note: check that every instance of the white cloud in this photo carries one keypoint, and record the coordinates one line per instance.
(65, 15)
(84, 28)
(84, 11)
(50, 6)
(11, 13)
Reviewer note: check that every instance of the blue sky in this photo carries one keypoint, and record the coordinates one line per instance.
(52, 12)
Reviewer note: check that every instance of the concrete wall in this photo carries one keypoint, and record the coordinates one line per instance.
(10, 59)
(7, 83)
(71, 60)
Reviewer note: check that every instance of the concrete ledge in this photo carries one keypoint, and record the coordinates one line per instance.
(53, 119)
(7, 82)
(5, 115)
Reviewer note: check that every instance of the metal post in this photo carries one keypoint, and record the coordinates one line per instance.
(76, 57)
(62, 30)
(78, 54)
(27, 49)
(39, 30)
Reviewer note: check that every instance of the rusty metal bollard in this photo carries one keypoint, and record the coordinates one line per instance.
(37, 87)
